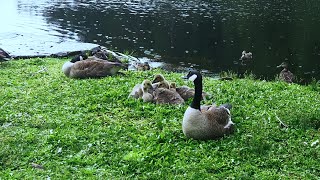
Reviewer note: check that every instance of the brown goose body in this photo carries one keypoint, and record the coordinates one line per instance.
(213, 123)
(285, 74)
(167, 96)
(91, 68)
(187, 92)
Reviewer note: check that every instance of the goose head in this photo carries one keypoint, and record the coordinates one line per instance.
(284, 65)
(67, 65)
(193, 76)
(80, 57)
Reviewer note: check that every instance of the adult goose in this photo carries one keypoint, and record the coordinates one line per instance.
(285, 74)
(4, 56)
(83, 67)
(201, 123)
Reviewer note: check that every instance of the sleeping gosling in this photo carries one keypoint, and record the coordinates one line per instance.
(167, 96)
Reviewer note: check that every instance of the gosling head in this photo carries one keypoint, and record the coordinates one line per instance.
(158, 78)
(146, 85)
(163, 84)
(173, 85)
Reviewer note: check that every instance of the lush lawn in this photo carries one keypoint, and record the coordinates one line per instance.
(84, 129)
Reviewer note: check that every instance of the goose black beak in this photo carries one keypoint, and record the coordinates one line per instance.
(184, 77)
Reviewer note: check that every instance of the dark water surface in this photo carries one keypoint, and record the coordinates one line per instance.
(208, 35)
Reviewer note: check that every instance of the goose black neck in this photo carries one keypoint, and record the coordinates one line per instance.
(198, 93)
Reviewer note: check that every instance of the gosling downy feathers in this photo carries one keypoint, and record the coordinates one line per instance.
(211, 122)
(140, 89)
(160, 79)
(285, 74)
(142, 66)
(167, 96)
(90, 68)
(161, 84)
(136, 91)
(146, 89)
(187, 92)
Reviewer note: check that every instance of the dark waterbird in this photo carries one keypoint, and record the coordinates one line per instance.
(285, 74)
(4, 56)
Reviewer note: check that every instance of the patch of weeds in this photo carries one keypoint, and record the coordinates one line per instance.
(89, 128)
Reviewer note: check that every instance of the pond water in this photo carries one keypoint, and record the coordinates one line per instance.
(203, 34)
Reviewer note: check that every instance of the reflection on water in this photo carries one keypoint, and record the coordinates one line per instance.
(206, 34)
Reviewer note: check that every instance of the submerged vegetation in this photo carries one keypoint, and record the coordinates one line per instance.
(59, 128)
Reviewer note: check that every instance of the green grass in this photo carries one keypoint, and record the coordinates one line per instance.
(89, 129)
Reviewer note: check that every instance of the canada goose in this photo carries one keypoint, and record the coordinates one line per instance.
(147, 91)
(167, 96)
(207, 123)
(163, 83)
(4, 56)
(79, 67)
(285, 74)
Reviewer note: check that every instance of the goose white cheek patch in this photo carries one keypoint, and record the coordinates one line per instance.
(193, 77)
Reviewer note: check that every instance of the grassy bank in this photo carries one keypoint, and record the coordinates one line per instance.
(90, 129)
